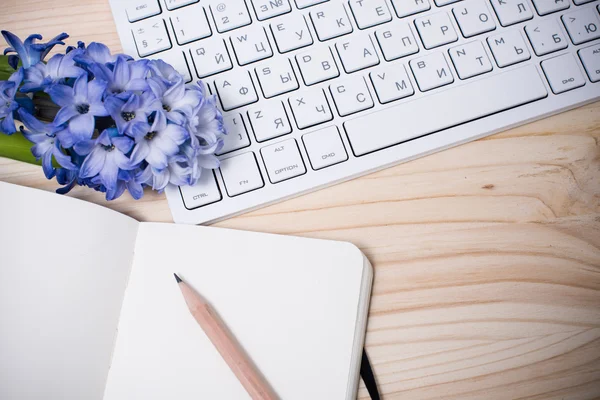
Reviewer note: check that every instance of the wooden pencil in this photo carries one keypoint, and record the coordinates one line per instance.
(254, 383)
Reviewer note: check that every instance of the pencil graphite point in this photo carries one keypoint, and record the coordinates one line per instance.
(178, 279)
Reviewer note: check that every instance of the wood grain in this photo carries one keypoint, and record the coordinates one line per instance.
(486, 256)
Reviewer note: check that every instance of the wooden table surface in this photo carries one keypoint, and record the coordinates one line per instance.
(486, 256)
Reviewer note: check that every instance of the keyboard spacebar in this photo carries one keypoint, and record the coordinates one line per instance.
(445, 109)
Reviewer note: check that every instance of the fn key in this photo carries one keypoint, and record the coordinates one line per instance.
(202, 193)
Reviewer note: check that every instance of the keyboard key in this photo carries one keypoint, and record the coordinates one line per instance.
(324, 147)
(276, 77)
(330, 20)
(391, 83)
(370, 13)
(351, 95)
(176, 58)
(291, 33)
(431, 71)
(357, 53)
(473, 17)
(283, 161)
(151, 37)
(405, 8)
(545, 36)
(241, 174)
(436, 30)
(173, 4)
(470, 60)
(508, 48)
(441, 3)
(580, 2)
(251, 45)
(210, 57)
(190, 24)
(137, 10)
(235, 90)
(563, 73)
(270, 8)
(310, 108)
(544, 7)
(317, 65)
(237, 134)
(510, 12)
(590, 57)
(230, 15)
(371, 132)
(269, 120)
(582, 25)
(396, 40)
(308, 3)
(202, 193)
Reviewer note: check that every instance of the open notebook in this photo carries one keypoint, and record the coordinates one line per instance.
(89, 308)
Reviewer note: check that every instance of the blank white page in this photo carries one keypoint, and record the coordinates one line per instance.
(64, 265)
(292, 303)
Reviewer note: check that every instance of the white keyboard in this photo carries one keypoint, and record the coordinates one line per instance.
(315, 92)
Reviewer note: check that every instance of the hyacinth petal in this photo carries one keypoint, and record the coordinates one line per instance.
(83, 147)
(64, 115)
(96, 89)
(121, 73)
(121, 160)
(82, 125)
(113, 105)
(98, 110)
(56, 40)
(116, 192)
(156, 158)
(208, 161)
(109, 172)
(61, 95)
(16, 44)
(140, 152)
(165, 144)
(47, 165)
(98, 52)
(137, 85)
(63, 159)
(32, 123)
(80, 88)
(123, 143)
(93, 163)
(8, 124)
(161, 178)
(135, 189)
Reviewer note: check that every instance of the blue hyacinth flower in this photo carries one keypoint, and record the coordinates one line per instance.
(125, 75)
(80, 104)
(9, 104)
(107, 158)
(29, 52)
(161, 142)
(131, 115)
(40, 76)
(46, 144)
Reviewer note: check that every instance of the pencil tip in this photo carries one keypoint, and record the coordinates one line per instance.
(178, 279)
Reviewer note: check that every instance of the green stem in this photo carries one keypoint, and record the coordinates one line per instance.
(17, 147)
